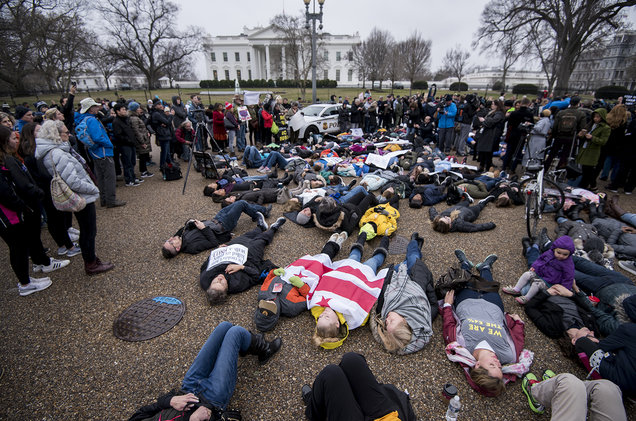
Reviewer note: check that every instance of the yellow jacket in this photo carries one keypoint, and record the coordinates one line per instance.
(385, 224)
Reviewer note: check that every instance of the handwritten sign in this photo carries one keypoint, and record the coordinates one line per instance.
(236, 254)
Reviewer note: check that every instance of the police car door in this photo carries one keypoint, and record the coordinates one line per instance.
(329, 120)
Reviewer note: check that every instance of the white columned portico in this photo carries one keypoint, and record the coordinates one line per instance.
(252, 59)
(284, 75)
(268, 74)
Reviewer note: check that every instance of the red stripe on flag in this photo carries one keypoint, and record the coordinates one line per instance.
(360, 275)
(346, 290)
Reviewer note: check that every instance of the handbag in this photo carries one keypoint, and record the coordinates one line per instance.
(274, 128)
(65, 199)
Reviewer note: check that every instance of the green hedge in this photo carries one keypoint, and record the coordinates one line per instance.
(498, 86)
(525, 88)
(262, 83)
(458, 86)
(610, 92)
(419, 84)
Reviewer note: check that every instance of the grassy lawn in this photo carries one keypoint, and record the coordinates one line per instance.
(166, 94)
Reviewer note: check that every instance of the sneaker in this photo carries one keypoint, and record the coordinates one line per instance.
(73, 251)
(548, 374)
(511, 290)
(628, 265)
(62, 251)
(522, 300)
(260, 221)
(116, 204)
(32, 287)
(279, 223)
(54, 265)
(461, 256)
(146, 174)
(306, 394)
(488, 262)
(628, 192)
(526, 384)
(39, 280)
(135, 184)
(268, 211)
(139, 180)
(263, 170)
(487, 199)
(72, 230)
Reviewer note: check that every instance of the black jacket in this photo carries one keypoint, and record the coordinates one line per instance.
(162, 125)
(194, 240)
(464, 221)
(25, 185)
(123, 134)
(162, 409)
(12, 205)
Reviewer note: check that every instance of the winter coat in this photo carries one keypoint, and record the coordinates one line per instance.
(25, 186)
(123, 133)
(553, 270)
(162, 125)
(357, 111)
(431, 194)
(57, 157)
(262, 196)
(590, 150)
(162, 410)
(11, 206)
(447, 119)
(232, 119)
(465, 219)
(184, 136)
(290, 301)
(383, 224)
(576, 229)
(413, 117)
(412, 296)
(195, 240)
(610, 230)
(102, 146)
(344, 217)
(255, 241)
(537, 140)
(180, 113)
(553, 315)
(492, 128)
(142, 137)
(218, 126)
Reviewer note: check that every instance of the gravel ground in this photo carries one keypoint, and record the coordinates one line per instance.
(62, 361)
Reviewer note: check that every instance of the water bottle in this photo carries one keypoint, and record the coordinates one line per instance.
(453, 409)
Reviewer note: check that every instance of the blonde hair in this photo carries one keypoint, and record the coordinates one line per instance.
(494, 385)
(325, 334)
(50, 130)
(396, 340)
(546, 112)
(617, 116)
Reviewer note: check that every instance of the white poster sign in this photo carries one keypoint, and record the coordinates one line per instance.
(236, 254)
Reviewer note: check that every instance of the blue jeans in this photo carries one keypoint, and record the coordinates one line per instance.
(374, 262)
(488, 181)
(413, 253)
(252, 157)
(240, 137)
(591, 277)
(229, 215)
(611, 164)
(410, 130)
(128, 159)
(353, 192)
(491, 297)
(164, 157)
(213, 372)
(275, 158)
(630, 218)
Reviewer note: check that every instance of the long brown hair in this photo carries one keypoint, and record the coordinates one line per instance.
(617, 116)
(5, 135)
(27, 140)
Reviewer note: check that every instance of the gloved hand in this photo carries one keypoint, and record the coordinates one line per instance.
(279, 272)
(296, 281)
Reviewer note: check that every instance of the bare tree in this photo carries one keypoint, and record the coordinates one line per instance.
(143, 34)
(416, 55)
(574, 25)
(105, 64)
(395, 68)
(510, 47)
(456, 62)
(359, 54)
(545, 49)
(296, 37)
(377, 54)
(179, 70)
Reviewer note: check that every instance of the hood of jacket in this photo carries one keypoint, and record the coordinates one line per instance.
(79, 117)
(603, 113)
(174, 100)
(44, 146)
(344, 327)
(564, 242)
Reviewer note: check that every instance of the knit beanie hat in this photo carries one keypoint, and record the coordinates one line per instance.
(20, 111)
(133, 106)
(301, 218)
(228, 105)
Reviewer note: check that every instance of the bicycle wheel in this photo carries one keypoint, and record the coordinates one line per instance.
(533, 215)
(553, 197)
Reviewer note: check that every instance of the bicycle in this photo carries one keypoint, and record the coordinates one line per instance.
(538, 197)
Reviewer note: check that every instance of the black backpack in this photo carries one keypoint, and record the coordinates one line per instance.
(567, 125)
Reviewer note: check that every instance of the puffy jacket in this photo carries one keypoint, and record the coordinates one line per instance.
(611, 231)
(57, 156)
(142, 137)
(591, 148)
(384, 217)
(465, 219)
(162, 125)
(180, 113)
(447, 119)
(11, 206)
(102, 147)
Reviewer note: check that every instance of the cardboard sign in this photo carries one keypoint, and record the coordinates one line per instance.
(297, 121)
(234, 254)
(629, 99)
(243, 113)
(357, 132)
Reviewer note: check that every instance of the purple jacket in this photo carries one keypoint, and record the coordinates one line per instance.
(555, 271)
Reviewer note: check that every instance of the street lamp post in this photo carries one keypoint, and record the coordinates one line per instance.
(313, 16)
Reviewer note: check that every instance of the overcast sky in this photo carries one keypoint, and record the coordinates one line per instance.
(445, 23)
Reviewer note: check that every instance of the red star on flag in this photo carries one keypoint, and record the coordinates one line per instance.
(324, 302)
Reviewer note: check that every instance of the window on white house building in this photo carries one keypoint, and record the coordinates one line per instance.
(326, 75)
(249, 73)
(350, 56)
(215, 75)
(224, 56)
(248, 56)
(227, 75)
(337, 75)
(326, 55)
(237, 56)
(238, 75)
(213, 56)
(337, 55)
(350, 75)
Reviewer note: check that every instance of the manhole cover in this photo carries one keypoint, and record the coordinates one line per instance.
(398, 245)
(148, 318)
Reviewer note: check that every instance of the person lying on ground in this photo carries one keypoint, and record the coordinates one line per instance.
(219, 190)
(426, 195)
(381, 219)
(350, 391)
(237, 265)
(460, 218)
(209, 384)
(402, 319)
(480, 335)
(196, 236)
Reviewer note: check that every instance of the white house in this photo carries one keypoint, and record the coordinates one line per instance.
(483, 78)
(259, 53)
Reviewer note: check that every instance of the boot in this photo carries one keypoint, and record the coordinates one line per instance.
(544, 240)
(420, 241)
(264, 349)
(559, 214)
(593, 209)
(273, 174)
(600, 209)
(620, 212)
(461, 256)
(97, 267)
(383, 248)
(341, 238)
(306, 394)
(359, 244)
(279, 223)
(526, 243)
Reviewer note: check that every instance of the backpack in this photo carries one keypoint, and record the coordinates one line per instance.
(567, 125)
(81, 132)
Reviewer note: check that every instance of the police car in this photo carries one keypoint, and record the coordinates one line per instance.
(319, 118)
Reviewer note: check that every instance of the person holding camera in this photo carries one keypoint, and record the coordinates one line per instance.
(445, 114)
(517, 123)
